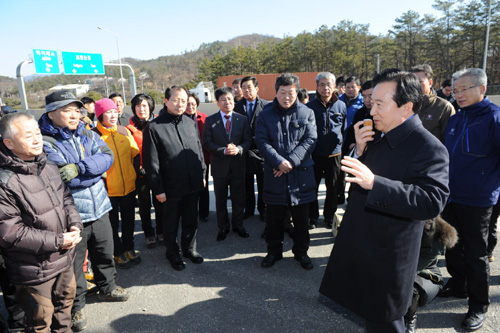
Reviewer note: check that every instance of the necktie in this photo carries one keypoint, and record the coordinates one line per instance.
(250, 110)
(228, 123)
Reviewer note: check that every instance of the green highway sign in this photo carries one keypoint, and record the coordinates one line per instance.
(77, 63)
(45, 61)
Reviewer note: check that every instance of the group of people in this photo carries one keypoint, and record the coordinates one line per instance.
(65, 185)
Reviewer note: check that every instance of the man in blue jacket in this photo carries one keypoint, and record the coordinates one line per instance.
(286, 136)
(472, 138)
(330, 114)
(83, 158)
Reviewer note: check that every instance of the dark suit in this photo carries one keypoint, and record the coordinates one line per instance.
(227, 170)
(379, 239)
(254, 161)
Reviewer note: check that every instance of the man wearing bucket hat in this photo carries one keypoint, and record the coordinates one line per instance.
(83, 158)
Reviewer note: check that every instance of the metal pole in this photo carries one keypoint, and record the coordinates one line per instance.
(133, 87)
(485, 57)
(378, 63)
(20, 84)
(119, 60)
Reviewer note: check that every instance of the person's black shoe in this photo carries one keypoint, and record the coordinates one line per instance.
(329, 222)
(194, 256)
(313, 223)
(449, 291)
(305, 262)
(269, 260)
(247, 215)
(221, 235)
(204, 219)
(473, 320)
(177, 264)
(241, 232)
(411, 326)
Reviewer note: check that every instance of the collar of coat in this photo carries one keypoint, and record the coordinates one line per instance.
(397, 135)
(332, 100)
(13, 163)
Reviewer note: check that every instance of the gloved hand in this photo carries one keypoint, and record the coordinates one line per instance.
(142, 172)
(69, 171)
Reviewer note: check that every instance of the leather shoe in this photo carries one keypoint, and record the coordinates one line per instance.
(449, 291)
(194, 256)
(242, 232)
(204, 218)
(305, 262)
(177, 264)
(221, 235)
(313, 223)
(269, 260)
(473, 320)
(247, 215)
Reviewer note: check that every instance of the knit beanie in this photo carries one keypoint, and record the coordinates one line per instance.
(104, 105)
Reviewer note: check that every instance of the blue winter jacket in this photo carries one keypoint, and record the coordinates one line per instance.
(330, 120)
(287, 135)
(94, 158)
(472, 138)
(352, 107)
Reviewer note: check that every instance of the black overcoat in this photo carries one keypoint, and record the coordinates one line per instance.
(373, 263)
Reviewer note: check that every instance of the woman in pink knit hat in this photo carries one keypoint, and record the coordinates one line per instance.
(120, 180)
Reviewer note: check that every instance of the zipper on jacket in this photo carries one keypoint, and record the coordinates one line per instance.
(119, 160)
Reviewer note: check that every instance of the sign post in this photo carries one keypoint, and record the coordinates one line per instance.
(46, 61)
(78, 63)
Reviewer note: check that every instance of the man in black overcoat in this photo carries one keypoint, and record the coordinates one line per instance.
(399, 179)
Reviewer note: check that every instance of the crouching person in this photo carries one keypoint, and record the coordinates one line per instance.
(39, 226)
(437, 237)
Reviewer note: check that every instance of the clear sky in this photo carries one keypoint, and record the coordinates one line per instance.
(149, 29)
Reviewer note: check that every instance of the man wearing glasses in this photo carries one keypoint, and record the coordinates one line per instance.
(472, 138)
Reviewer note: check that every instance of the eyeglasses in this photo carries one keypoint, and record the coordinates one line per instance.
(323, 85)
(461, 91)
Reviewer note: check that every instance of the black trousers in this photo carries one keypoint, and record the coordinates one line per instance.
(250, 193)
(328, 168)
(396, 326)
(180, 211)
(236, 184)
(275, 229)
(14, 309)
(492, 236)
(97, 237)
(144, 195)
(204, 201)
(467, 262)
(126, 207)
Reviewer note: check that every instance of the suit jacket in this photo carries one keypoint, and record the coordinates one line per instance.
(216, 139)
(382, 228)
(255, 162)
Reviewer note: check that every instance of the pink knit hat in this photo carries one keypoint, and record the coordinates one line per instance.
(104, 105)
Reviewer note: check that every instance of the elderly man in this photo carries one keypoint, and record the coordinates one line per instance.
(434, 111)
(39, 226)
(286, 136)
(330, 115)
(83, 158)
(473, 141)
(251, 105)
(399, 180)
(173, 160)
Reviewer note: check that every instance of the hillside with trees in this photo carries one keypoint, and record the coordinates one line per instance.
(452, 41)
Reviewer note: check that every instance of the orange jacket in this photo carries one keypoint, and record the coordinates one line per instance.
(121, 175)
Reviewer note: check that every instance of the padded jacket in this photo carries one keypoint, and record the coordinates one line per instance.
(36, 208)
(94, 158)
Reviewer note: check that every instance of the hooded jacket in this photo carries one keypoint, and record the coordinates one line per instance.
(473, 141)
(94, 158)
(36, 208)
